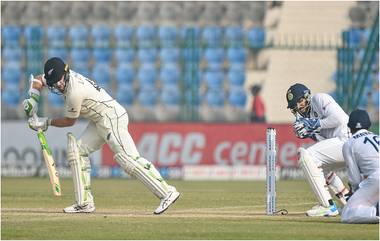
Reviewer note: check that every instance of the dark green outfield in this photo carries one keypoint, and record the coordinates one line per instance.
(206, 210)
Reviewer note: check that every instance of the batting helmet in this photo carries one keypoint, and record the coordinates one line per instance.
(54, 69)
(359, 119)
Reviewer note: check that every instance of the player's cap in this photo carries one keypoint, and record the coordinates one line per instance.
(359, 119)
(54, 69)
(294, 93)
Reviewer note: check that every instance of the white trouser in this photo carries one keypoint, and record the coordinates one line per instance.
(361, 207)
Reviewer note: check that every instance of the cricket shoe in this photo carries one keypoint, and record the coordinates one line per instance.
(321, 211)
(170, 198)
(85, 208)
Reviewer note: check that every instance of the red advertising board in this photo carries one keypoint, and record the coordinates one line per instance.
(178, 144)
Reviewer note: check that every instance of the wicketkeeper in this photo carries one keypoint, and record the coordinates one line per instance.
(319, 117)
(108, 123)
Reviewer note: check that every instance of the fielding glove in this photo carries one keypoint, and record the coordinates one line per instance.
(39, 123)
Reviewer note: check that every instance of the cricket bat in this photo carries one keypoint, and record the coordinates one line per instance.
(48, 157)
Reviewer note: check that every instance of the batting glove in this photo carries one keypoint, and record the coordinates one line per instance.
(39, 123)
(30, 106)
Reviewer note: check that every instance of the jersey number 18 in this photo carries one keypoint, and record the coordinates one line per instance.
(374, 143)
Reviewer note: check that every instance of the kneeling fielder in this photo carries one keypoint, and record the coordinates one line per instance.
(361, 153)
(108, 124)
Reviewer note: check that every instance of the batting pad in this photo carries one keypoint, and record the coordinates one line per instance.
(145, 172)
(80, 168)
(315, 177)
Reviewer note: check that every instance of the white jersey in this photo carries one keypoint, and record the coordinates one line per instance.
(332, 117)
(83, 97)
(361, 153)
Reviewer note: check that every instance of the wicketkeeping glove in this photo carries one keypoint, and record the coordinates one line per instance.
(305, 127)
(39, 123)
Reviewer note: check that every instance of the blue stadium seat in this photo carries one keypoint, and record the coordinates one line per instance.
(236, 55)
(214, 98)
(100, 36)
(167, 36)
(234, 36)
(80, 57)
(102, 55)
(169, 55)
(58, 52)
(147, 75)
(124, 55)
(78, 36)
(147, 55)
(169, 74)
(192, 77)
(11, 35)
(214, 79)
(212, 36)
(191, 54)
(190, 33)
(11, 75)
(34, 35)
(101, 74)
(236, 77)
(12, 54)
(147, 97)
(214, 57)
(11, 97)
(124, 75)
(56, 36)
(123, 35)
(256, 37)
(146, 35)
(237, 97)
(55, 101)
(125, 95)
(170, 96)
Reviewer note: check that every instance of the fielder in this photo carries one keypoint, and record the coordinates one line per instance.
(361, 153)
(108, 123)
(319, 117)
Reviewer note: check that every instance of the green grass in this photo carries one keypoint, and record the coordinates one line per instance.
(206, 210)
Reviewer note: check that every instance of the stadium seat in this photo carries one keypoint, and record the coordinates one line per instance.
(234, 36)
(167, 36)
(100, 36)
(12, 54)
(236, 77)
(11, 97)
(34, 35)
(11, 35)
(124, 75)
(190, 34)
(170, 96)
(256, 37)
(147, 76)
(147, 55)
(191, 54)
(214, 57)
(102, 55)
(125, 95)
(212, 36)
(169, 55)
(56, 36)
(58, 52)
(101, 74)
(147, 97)
(78, 36)
(214, 79)
(375, 99)
(124, 55)
(146, 35)
(236, 55)
(169, 74)
(214, 98)
(237, 97)
(11, 75)
(123, 35)
(80, 57)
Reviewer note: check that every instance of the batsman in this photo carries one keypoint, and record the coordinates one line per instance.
(108, 123)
